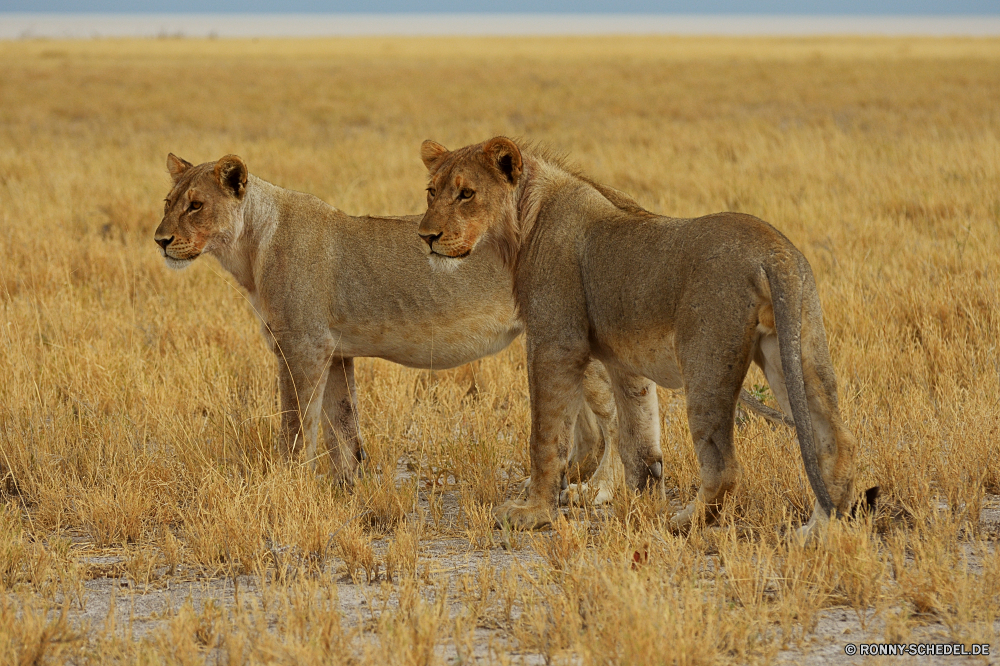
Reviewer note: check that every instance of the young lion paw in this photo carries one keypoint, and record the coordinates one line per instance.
(523, 515)
(706, 513)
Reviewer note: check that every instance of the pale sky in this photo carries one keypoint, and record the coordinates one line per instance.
(807, 7)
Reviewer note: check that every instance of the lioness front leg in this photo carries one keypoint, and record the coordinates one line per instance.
(341, 428)
(595, 444)
(600, 486)
(556, 397)
(302, 380)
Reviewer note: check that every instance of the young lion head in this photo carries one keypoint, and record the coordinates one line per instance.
(471, 196)
(201, 211)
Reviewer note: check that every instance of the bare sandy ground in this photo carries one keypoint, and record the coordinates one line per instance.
(138, 611)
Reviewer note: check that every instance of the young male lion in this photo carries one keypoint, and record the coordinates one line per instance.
(330, 287)
(684, 303)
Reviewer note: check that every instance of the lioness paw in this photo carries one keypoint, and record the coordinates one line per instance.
(578, 494)
(682, 519)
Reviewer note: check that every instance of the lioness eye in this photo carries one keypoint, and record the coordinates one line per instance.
(466, 193)
(431, 192)
(194, 205)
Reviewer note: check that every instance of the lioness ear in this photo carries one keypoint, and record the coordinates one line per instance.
(431, 153)
(231, 173)
(504, 154)
(176, 166)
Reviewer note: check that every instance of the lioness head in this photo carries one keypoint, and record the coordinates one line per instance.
(200, 213)
(471, 196)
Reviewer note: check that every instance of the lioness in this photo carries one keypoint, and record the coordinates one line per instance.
(329, 287)
(684, 303)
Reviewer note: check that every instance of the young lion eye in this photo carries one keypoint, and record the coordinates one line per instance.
(431, 192)
(194, 205)
(466, 193)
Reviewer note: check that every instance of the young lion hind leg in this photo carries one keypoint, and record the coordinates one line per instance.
(714, 368)
(597, 435)
(341, 427)
(711, 415)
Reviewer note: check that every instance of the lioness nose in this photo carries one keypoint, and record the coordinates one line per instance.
(430, 238)
(164, 242)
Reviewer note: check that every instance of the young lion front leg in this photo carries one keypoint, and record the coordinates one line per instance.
(556, 397)
(609, 474)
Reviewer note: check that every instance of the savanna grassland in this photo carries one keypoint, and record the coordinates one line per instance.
(145, 517)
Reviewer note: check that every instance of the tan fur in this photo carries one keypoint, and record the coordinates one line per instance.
(330, 287)
(685, 303)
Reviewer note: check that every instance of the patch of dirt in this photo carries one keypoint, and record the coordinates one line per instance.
(136, 610)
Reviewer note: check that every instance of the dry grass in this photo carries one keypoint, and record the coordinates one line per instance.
(137, 405)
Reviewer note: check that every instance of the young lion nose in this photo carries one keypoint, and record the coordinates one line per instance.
(430, 238)
(164, 242)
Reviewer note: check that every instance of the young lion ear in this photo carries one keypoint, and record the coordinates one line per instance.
(176, 166)
(504, 154)
(431, 153)
(231, 173)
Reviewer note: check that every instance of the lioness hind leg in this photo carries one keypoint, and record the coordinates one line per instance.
(342, 432)
(599, 487)
(586, 452)
(638, 429)
(714, 348)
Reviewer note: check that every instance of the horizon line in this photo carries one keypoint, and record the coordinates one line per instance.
(75, 25)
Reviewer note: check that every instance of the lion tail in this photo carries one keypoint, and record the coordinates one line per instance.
(784, 274)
